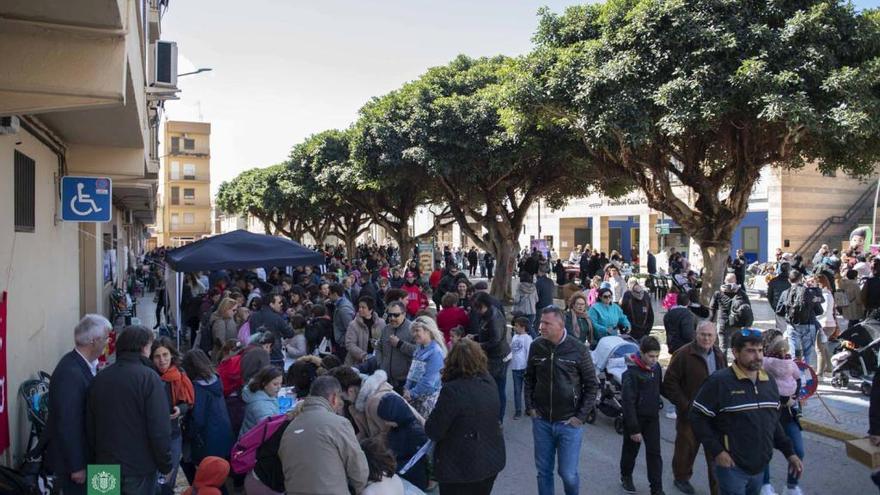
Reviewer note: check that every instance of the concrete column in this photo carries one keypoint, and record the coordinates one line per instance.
(456, 235)
(596, 241)
(645, 231)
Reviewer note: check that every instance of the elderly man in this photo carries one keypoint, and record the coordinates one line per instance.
(395, 348)
(690, 366)
(319, 451)
(560, 390)
(68, 390)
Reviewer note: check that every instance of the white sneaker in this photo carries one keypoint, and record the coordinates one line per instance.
(792, 491)
(671, 414)
(768, 490)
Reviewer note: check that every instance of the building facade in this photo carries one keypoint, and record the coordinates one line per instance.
(78, 97)
(184, 212)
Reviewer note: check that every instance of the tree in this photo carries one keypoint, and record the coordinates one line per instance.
(393, 184)
(490, 164)
(701, 95)
(243, 195)
(322, 169)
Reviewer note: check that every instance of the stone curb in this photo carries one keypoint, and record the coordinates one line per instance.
(827, 431)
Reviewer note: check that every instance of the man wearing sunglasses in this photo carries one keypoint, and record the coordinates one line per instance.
(735, 415)
(395, 348)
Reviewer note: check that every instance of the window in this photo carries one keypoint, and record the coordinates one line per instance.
(751, 239)
(189, 144)
(189, 193)
(175, 196)
(25, 193)
(189, 218)
(189, 171)
(175, 145)
(175, 219)
(175, 170)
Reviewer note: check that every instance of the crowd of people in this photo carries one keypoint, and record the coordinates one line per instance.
(349, 373)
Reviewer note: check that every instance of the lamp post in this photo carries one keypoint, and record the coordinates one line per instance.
(197, 71)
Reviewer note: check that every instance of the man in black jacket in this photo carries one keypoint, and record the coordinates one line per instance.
(492, 337)
(775, 288)
(68, 389)
(735, 415)
(129, 415)
(680, 323)
(268, 318)
(560, 391)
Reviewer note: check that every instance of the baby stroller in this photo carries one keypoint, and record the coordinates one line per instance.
(609, 358)
(857, 355)
(33, 471)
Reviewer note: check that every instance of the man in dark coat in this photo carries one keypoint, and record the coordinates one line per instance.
(68, 389)
(652, 263)
(492, 337)
(268, 318)
(129, 415)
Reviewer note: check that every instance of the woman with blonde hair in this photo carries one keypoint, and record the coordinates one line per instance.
(223, 326)
(423, 381)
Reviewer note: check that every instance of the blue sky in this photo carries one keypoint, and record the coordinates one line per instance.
(285, 69)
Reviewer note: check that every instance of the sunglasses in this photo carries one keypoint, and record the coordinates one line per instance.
(606, 297)
(394, 315)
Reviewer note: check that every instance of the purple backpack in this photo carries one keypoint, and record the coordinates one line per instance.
(243, 457)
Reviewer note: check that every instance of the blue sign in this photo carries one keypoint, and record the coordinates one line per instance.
(86, 199)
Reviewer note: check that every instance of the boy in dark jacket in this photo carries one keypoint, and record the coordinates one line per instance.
(641, 415)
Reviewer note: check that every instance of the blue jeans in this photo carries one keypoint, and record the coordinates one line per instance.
(518, 377)
(498, 370)
(797, 441)
(735, 481)
(171, 478)
(550, 438)
(801, 338)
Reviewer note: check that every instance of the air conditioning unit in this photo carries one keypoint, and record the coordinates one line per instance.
(166, 64)
(9, 125)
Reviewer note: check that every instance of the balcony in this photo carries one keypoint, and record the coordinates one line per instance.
(191, 228)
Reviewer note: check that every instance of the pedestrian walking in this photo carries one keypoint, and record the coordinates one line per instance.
(852, 309)
(67, 452)
(775, 288)
(781, 367)
(131, 389)
(607, 317)
(735, 415)
(577, 321)
(526, 299)
(469, 451)
(800, 305)
(688, 369)
(558, 398)
(640, 399)
(729, 311)
(680, 323)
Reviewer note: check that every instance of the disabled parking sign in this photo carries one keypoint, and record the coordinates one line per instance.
(86, 199)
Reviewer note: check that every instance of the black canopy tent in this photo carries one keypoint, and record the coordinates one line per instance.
(235, 250)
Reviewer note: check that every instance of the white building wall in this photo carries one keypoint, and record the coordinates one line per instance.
(40, 272)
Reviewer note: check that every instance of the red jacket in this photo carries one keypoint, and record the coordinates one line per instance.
(434, 279)
(449, 318)
(415, 299)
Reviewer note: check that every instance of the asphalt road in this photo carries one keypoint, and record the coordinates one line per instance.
(827, 468)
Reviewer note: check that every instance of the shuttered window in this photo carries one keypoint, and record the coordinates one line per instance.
(25, 193)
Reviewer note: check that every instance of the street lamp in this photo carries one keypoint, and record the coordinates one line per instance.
(197, 71)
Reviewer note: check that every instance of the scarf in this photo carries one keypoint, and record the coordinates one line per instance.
(181, 386)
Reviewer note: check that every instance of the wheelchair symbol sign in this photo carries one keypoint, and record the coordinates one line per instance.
(86, 199)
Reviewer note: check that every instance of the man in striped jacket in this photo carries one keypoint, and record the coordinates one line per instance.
(735, 415)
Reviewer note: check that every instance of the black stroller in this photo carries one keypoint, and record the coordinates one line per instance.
(33, 471)
(609, 360)
(856, 356)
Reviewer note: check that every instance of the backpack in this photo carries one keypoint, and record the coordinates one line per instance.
(230, 374)
(243, 456)
(741, 314)
(798, 310)
(271, 471)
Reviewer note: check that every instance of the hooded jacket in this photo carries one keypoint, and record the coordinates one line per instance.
(364, 411)
(406, 438)
(526, 299)
(259, 406)
(640, 395)
(210, 476)
(639, 312)
(209, 430)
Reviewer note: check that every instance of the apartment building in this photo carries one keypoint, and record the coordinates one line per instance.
(81, 94)
(185, 211)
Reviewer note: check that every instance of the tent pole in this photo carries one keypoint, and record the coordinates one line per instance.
(177, 296)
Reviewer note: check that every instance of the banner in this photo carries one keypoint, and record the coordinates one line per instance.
(4, 399)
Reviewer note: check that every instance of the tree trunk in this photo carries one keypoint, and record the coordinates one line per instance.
(715, 256)
(350, 244)
(505, 258)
